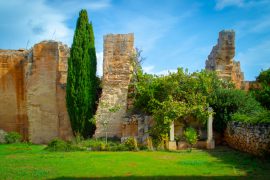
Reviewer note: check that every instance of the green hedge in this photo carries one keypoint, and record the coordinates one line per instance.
(259, 117)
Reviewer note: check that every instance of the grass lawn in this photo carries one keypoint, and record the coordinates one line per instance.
(22, 161)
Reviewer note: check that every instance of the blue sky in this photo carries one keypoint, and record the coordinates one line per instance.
(171, 33)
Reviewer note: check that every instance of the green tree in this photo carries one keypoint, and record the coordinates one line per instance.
(81, 81)
(179, 96)
(262, 94)
(227, 102)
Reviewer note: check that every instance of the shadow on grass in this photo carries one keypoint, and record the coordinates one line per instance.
(255, 168)
(155, 177)
(258, 168)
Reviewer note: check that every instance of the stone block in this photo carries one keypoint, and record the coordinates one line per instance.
(172, 145)
(210, 144)
(182, 145)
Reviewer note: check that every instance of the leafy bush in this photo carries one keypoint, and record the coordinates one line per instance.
(95, 145)
(191, 137)
(259, 117)
(13, 137)
(227, 102)
(60, 145)
(261, 90)
(100, 145)
(117, 147)
(78, 138)
(131, 144)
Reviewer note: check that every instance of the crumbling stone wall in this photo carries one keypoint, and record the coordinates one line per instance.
(221, 59)
(13, 109)
(117, 70)
(254, 139)
(33, 86)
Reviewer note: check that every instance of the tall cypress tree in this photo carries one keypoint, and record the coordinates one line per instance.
(81, 91)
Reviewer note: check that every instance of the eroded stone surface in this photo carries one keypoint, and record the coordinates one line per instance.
(254, 139)
(32, 92)
(13, 110)
(117, 70)
(221, 59)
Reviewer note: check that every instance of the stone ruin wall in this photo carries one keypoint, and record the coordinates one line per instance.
(221, 59)
(13, 109)
(254, 139)
(117, 72)
(32, 92)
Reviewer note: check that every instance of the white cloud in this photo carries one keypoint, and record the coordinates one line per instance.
(221, 4)
(100, 64)
(166, 72)
(254, 59)
(256, 26)
(71, 6)
(149, 30)
(97, 5)
(36, 20)
(32, 21)
(148, 69)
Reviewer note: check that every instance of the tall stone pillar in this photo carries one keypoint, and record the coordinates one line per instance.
(172, 131)
(46, 106)
(172, 142)
(117, 69)
(210, 141)
(221, 59)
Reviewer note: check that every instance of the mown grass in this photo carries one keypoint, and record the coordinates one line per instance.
(22, 161)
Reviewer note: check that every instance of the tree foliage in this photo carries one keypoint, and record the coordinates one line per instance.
(182, 96)
(262, 94)
(176, 97)
(81, 81)
(230, 101)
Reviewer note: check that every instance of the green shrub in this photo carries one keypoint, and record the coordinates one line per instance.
(13, 137)
(60, 145)
(131, 144)
(258, 117)
(100, 145)
(118, 147)
(78, 138)
(143, 147)
(227, 102)
(94, 145)
(191, 137)
(261, 90)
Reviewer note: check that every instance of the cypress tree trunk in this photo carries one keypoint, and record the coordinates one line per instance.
(81, 91)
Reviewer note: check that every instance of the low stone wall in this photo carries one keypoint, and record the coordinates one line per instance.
(254, 139)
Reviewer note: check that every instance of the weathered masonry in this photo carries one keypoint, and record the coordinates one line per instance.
(117, 71)
(221, 59)
(32, 92)
(251, 138)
